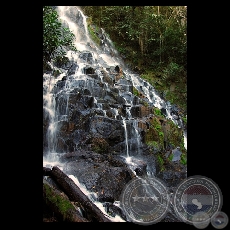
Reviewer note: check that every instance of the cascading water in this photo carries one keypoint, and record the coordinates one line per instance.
(126, 138)
(89, 68)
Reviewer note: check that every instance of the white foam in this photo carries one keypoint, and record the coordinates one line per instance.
(98, 204)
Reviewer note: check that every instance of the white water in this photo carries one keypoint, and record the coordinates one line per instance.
(137, 136)
(52, 158)
(92, 196)
(185, 140)
(149, 92)
(80, 43)
(126, 137)
(105, 60)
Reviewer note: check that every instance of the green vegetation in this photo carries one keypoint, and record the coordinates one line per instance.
(149, 78)
(64, 206)
(175, 136)
(135, 92)
(153, 144)
(153, 39)
(161, 162)
(56, 73)
(99, 145)
(92, 31)
(60, 60)
(143, 102)
(184, 119)
(155, 133)
(170, 157)
(183, 159)
(158, 112)
(56, 38)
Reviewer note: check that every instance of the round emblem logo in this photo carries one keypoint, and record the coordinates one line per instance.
(201, 220)
(144, 200)
(197, 194)
(219, 220)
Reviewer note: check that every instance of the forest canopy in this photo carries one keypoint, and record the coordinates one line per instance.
(152, 40)
(56, 37)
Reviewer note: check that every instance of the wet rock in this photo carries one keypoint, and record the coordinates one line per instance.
(98, 175)
(117, 68)
(89, 110)
(72, 70)
(64, 78)
(176, 154)
(89, 70)
(172, 178)
(114, 210)
(163, 111)
(94, 76)
(109, 129)
(170, 217)
(87, 56)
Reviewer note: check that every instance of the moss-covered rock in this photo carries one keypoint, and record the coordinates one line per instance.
(99, 145)
(60, 204)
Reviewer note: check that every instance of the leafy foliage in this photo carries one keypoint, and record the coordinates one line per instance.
(171, 72)
(183, 159)
(56, 37)
(152, 38)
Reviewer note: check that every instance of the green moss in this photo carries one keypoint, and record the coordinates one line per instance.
(158, 112)
(175, 136)
(183, 159)
(170, 157)
(149, 77)
(99, 145)
(155, 133)
(63, 205)
(161, 162)
(135, 92)
(162, 86)
(93, 35)
(179, 97)
(152, 144)
(172, 134)
(144, 103)
(56, 73)
(184, 118)
(60, 60)
(161, 134)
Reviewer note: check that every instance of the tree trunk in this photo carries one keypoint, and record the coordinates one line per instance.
(74, 193)
(60, 205)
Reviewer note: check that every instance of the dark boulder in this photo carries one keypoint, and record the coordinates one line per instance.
(72, 70)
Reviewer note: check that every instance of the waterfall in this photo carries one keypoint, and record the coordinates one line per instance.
(126, 138)
(137, 136)
(94, 77)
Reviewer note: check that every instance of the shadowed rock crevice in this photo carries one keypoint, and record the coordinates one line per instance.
(106, 126)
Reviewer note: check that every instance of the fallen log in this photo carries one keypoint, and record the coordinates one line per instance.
(94, 214)
(60, 205)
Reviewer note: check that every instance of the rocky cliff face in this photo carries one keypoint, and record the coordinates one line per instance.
(105, 125)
